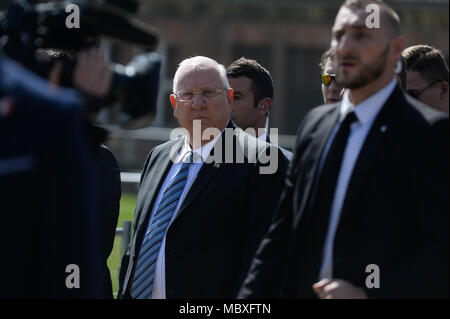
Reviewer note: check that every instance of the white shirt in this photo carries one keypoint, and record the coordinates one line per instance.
(199, 156)
(263, 137)
(366, 112)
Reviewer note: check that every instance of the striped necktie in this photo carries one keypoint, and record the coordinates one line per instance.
(142, 286)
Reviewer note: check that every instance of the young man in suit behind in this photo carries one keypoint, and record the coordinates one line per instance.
(253, 94)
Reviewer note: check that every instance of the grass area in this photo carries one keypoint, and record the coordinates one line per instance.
(127, 206)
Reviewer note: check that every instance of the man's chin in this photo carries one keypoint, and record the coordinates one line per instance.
(352, 82)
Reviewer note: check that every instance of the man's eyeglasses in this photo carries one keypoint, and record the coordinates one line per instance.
(328, 78)
(207, 94)
(416, 93)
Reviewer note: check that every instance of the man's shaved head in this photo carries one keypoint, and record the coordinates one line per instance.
(388, 17)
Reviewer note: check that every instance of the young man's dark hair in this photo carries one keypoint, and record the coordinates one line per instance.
(427, 76)
(402, 75)
(428, 61)
(262, 82)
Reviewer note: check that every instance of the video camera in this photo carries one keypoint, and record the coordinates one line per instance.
(27, 26)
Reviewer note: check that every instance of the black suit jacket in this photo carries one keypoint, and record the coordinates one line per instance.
(48, 191)
(223, 217)
(395, 212)
(108, 172)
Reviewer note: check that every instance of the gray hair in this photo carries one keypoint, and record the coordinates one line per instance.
(201, 61)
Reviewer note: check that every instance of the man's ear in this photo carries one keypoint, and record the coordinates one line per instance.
(265, 104)
(230, 98)
(173, 101)
(231, 93)
(397, 47)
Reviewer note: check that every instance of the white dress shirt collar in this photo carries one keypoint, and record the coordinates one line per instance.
(263, 137)
(368, 109)
(201, 153)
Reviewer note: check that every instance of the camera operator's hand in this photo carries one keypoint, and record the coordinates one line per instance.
(92, 74)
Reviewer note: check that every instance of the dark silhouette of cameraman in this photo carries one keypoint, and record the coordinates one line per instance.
(52, 189)
(92, 75)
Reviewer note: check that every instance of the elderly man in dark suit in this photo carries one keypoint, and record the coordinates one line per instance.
(364, 212)
(205, 199)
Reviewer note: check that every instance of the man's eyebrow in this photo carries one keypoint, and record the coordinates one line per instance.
(351, 27)
(360, 27)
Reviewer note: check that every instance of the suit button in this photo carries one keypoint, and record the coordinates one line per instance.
(171, 291)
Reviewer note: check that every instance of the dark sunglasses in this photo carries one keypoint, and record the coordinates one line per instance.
(415, 94)
(328, 78)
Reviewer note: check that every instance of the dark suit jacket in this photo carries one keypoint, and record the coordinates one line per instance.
(286, 153)
(210, 243)
(48, 195)
(395, 213)
(110, 190)
(107, 174)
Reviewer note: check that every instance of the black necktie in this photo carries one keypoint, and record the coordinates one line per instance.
(321, 207)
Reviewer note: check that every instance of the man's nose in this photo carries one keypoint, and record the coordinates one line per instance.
(344, 46)
(198, 100)
(335, 88)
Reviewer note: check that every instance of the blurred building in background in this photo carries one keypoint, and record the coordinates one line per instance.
(286, 36)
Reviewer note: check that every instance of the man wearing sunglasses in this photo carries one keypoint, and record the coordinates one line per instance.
(331, 91)
(427, 76)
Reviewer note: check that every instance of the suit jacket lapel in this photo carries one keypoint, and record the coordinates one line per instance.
(207, 172)
(151, 187)
(314, 153)
(381, 129)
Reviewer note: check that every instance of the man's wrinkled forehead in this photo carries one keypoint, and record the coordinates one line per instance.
(350, 17)
(196, 67)
(197, 74)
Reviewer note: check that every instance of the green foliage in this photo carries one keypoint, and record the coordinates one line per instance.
(127, 206)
